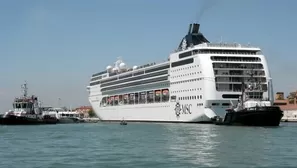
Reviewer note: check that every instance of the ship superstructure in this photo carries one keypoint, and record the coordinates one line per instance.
(198, 82)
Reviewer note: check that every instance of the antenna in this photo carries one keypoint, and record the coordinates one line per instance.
(25, 89)
(59, 102)
(119, 58)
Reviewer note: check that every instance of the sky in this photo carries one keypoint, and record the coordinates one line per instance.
(57, 45)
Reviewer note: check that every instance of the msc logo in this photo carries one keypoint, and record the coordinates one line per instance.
(177, 109)
(182, 109)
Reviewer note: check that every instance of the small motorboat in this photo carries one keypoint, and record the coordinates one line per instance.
(123, 122)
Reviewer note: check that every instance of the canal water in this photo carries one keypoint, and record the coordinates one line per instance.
(147, 145)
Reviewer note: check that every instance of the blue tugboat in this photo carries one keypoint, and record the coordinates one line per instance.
(26, 111)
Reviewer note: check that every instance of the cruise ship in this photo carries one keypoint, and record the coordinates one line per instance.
(197, 83)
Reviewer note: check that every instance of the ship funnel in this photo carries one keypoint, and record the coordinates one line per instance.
(194, 28)
(190, 29)
(194, 37)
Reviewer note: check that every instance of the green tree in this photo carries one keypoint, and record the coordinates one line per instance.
(92, 113)
(291, 97)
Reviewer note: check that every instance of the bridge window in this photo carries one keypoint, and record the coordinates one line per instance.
(215, 104)
(182, 62)
(230, 96)
(186, 54)
(225, 104)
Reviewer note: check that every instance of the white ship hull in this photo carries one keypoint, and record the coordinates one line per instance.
(157, 112)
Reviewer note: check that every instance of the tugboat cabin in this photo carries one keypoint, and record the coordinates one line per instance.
(254, 99)
(23, 105)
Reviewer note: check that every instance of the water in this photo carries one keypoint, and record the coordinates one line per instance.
(147, 145)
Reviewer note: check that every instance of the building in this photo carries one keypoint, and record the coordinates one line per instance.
(288, 105)
(84, 111)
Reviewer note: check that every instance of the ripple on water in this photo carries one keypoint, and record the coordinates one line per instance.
(147, 145)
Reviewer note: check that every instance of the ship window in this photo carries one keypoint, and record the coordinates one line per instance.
(173, 98)
(237, 66)
(126, 100)
(95, 83)
(125, 76)
(109, 79)
(103, 101)
(30, 105)
(142, 98)
(24, 105)
(116, 100)
(157, 96)
(157, 69)
(100, 73)
(18, 105)
(110, 101)
(165, 95)
(158, 79)
(136, 98)
(225, 104)
(96, 78)
(238, 59)
(120, 99)
(131, 99)
(150, 97)
(135, 78)
(138, 73)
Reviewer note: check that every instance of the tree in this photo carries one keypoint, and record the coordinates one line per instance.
(92, 113)
(291, 97)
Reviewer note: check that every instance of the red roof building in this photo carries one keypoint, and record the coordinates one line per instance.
(288, 105)
(84, 110)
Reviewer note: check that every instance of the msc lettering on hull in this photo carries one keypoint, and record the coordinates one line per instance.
(182, 109)
(186, 109)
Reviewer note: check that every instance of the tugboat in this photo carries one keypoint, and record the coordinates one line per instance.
(252, 109)
(26, 111)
